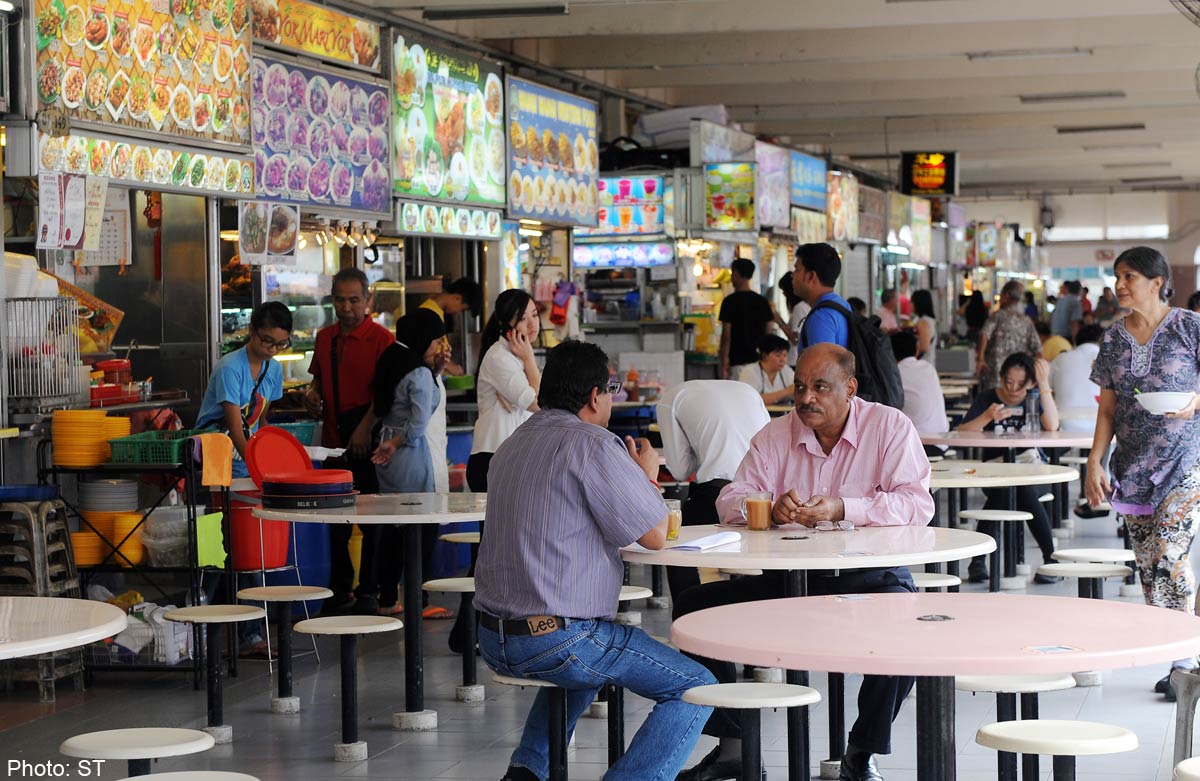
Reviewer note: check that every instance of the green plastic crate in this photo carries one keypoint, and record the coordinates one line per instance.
(302, 430)
(151, 447)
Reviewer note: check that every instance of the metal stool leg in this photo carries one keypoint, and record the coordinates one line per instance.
(349, 689)
(558, 733)
(751, 744)
(1064, 769)
(283, 619)
(1029, 712)
(139, 767)
(469, 676)
(1006, 762)
(216, 715)
(616, 723)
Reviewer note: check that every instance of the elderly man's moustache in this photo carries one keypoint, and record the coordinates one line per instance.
(807, 408)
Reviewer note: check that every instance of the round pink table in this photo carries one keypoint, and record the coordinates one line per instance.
(936, 637)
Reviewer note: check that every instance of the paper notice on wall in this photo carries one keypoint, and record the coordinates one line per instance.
(97, 191)
(115, 245)
(74, 202)
(49, 234)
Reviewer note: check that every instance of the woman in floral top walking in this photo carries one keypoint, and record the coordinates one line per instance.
(1156, 466)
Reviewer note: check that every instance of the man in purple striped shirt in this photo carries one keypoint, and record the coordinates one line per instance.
(564, 495)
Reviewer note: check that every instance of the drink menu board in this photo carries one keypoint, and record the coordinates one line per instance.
(772, 189)
(843, 206)
(320, 138)
(808, 181)
(141, 164)
(632, 254)
(729, 202)
(629, 206)
(553, 155)
(448, 113)
(317, 30)
(176, 67)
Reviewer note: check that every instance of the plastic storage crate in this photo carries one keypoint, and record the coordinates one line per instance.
(151, 447)
(302, 430)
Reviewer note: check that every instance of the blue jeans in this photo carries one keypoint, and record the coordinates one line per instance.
(584, 657)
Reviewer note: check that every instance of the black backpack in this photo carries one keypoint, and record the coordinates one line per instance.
(877, 372)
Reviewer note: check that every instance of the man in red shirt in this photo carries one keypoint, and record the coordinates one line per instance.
(343, 369)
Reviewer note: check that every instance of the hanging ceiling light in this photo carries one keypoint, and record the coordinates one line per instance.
(340, 237)
(371, 234)
(320, 237)
(302, 243)
(354, 235)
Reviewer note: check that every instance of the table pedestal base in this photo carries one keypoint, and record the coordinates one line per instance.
(415, 721)
(1015, 583)
(286, 706)
(470, 694)
(831, 769)
(221, 733)
(350, 752)
(935, 729)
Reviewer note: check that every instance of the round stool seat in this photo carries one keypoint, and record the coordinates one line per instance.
(284, 593)
(508, 680)
(1077, 569)
(215, 614)
(1075, 460)
(1056, 738)
(995, 515)
(1094, 555)
(348, 625)
(137, 743)
(455, 585)
(462, 538)
(1188, 770)
(752, 695)
(629, 593)
(1014, 684)
(198, 775)
(935, 580)
(745, 573)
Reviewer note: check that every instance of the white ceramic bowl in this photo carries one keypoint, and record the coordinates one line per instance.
(1162, 403)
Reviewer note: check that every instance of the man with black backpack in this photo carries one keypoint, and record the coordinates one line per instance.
(831, 320)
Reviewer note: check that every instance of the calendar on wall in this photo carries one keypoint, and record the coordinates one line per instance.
(115, 247)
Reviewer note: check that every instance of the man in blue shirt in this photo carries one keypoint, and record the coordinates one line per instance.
(817, 270)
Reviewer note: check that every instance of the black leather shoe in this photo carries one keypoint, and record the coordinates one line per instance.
(338, 605)
(1163, 683)
(518, 773)
(1169, 694)
(1045, 580)
(713, 769)
(977, 573)
(858, 766)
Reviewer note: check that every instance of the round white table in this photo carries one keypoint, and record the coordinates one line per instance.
(796, 550)
(40, 625)
(936, 637)
(410, 511)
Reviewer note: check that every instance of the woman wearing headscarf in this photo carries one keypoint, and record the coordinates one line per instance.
(406, 394)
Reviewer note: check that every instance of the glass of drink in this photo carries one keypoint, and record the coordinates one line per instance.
(674, 519)
(756, 509)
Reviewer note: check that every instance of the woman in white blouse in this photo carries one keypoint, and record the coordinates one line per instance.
(508, 379)
(770, 376)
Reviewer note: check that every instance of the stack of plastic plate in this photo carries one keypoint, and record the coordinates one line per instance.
(133, 550)
(115, 428)
(108, 495)
(89, 550)
(79, 437)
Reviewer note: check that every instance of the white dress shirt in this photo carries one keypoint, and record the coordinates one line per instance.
(437, 439)
(706, 427)
(753, 375)
(1074, 393)
(501, 376)
(924, 403)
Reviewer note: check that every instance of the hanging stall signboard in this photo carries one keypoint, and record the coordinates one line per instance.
(629, 206)
(316, 31)
(843, 206)
(872, 214)
(808, 181)
(729, 196)
(320, 138)
(448, 112)
(922, 231)
(632, 254)
(554, 159)
(713, 143)
(809, 226)
(427, 219)
(772, 188)
(175, 68)
(899, 221)
(929, 173)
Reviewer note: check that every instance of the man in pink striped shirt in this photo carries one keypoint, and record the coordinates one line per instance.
(836, 458)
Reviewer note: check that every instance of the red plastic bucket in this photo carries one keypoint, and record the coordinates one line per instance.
(247, 552)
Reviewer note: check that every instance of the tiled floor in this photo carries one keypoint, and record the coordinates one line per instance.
(474, 741)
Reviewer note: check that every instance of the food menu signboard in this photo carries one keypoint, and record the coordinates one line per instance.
(146, 165)
(553, 155)
(809, 226)
(267, 232)
(316, 30)
(448, 113)
(729, 196)
(872, 213)
(899, 221)
(427, 219)
(922, 231)
(320, 138)
(633, 254)
(772, 189)
(629, 206)
(808, 181)
(176, 67)
(843, 206)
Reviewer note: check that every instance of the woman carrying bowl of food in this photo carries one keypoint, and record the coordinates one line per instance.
(1147, 371)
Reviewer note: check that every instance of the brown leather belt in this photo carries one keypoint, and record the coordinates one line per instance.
(532, 626)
